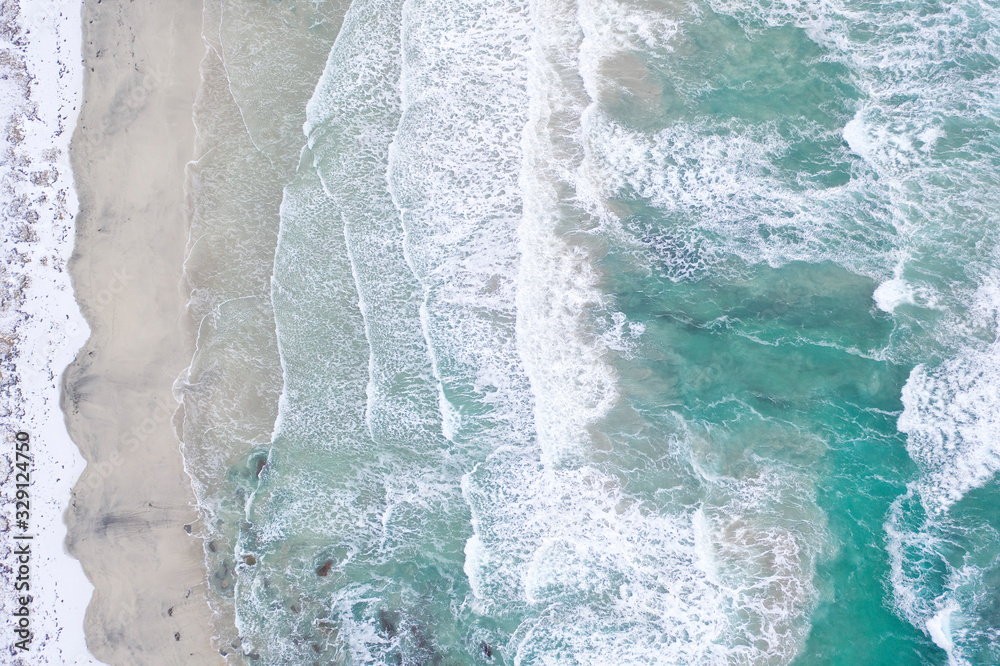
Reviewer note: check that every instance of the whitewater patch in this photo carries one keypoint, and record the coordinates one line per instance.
(452, 172)
(952, 419)
(940, 559)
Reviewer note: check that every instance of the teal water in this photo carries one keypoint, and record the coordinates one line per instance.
(623, 333)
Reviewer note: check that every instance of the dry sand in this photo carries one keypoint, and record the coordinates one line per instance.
(129, 509)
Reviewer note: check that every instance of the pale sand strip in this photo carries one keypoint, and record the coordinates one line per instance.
(126, 520)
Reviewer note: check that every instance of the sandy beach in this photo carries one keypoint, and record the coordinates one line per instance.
(130, 508)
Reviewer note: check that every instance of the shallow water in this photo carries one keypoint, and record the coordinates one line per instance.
(603, 332)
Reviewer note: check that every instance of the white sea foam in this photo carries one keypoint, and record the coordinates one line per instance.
(42, 329)
(952, 419)
(935, 591)
(609, 579)
(350, 137)
(588, 561)
(453, 168)
(939, 628)
(952, 410)
(856, 137)
(893, 293)
(725, 182)
(557, 290)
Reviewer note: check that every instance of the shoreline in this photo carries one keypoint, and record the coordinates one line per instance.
(133, 504)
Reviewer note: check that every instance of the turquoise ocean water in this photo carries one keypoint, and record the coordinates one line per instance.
(598, 332)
